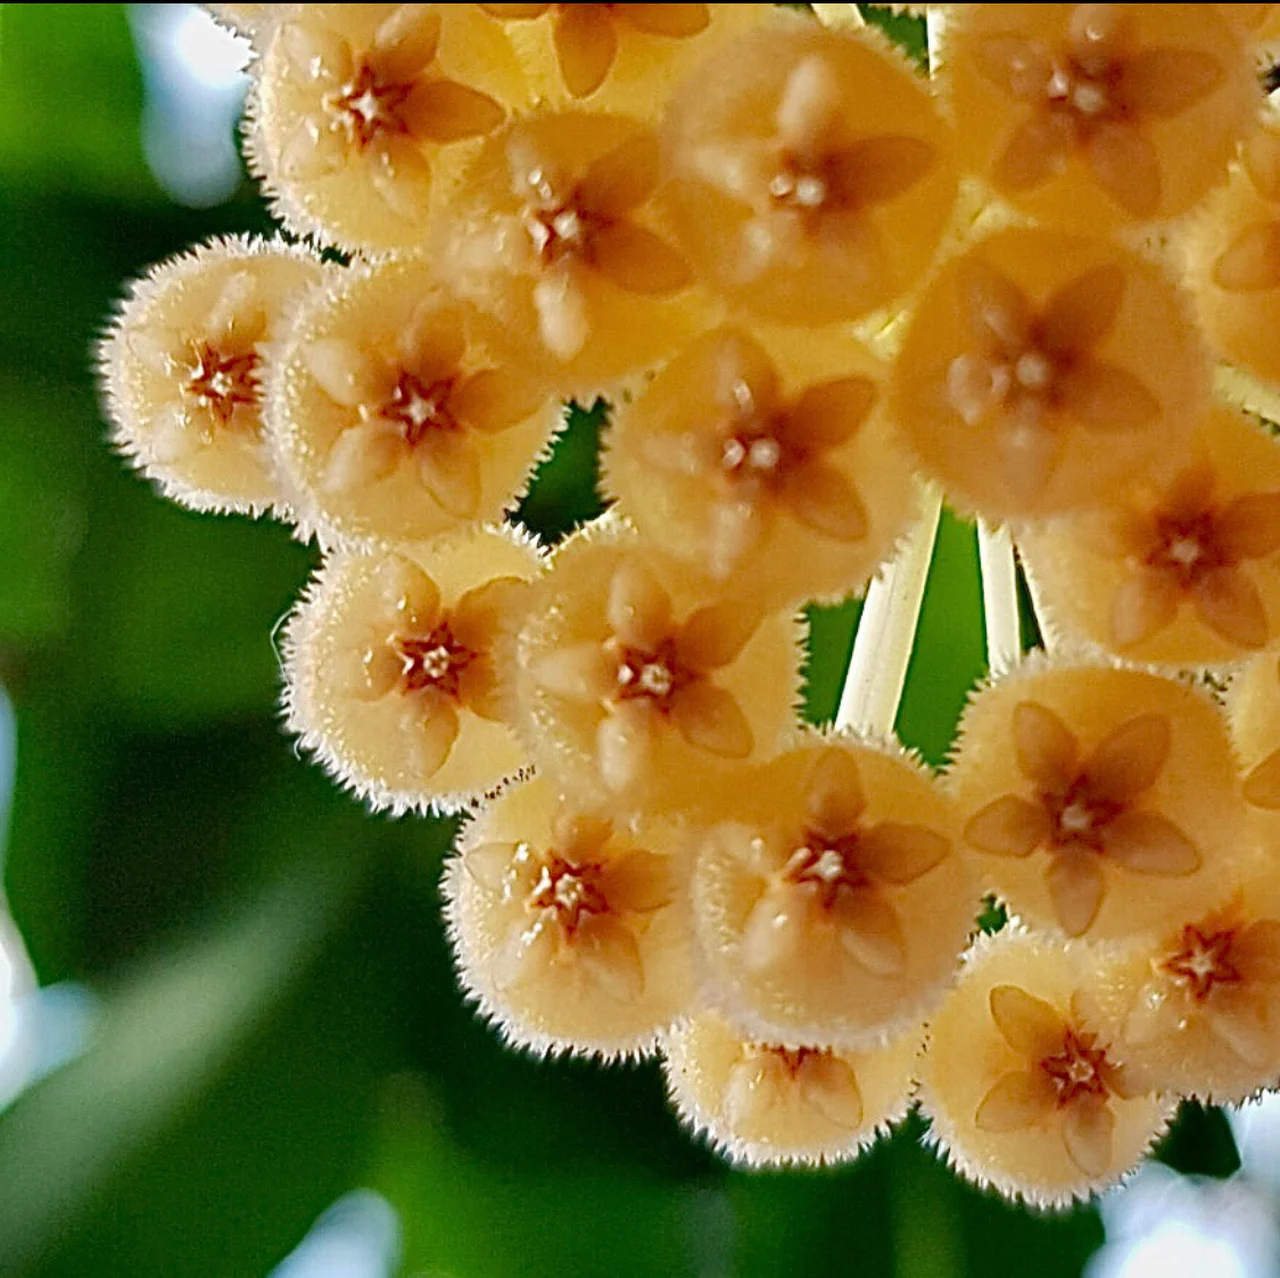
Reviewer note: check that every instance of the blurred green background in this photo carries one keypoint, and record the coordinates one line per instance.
(247, 1009)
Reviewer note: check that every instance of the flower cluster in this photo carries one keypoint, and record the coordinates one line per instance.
(819, 289)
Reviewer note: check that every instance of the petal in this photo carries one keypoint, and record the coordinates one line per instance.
(870, 931)
(1097, 35)
(409, 595)
(1031, 1026)
(526, 954)
(773, 933)
(1015, 66)
(1016, 1101)
(1262, 785)
(310, 153)
(710, 718)
(830, 1086)
(1087, 1134)
(1239, 1019)
(401, 176)
(361, 456)
(821, 498)
(1029, 454)
(564, 318)
(1230, 605)
(608, 953)
(1076, 887)
(1046, 749)
(1143, 605)
(1009, 826)
(624, 743)
(482, 692)
(1125, 165)
(232, 306)
(490, 864)
(1152, 1016)
(1037, 150)
(1165, 82)
(1147, 843)
(445, 111)
(833, 796)
(1129, 759)
(1257, 950)
(678, 21)
(735, 527)
(637, 882)
(1251, 263)
(1249, 527)
(752, 1089)
(344, 372)
(580, 836)
(482, 612)
(1107, 397)
(1189, 494)
(622, 178)
(828, 414)
(580, 672)
(995, 309)
(639, 609)
(1261, 156)
(1081, 313)
(496, 399)
(374, 673)
(428, 734)
(515, 12)
(173, 435)
(638, 261)
(433, 343)
(450, 472)
(314, 51)
(586, 45)
(715, 636)
(808, 107)
(406, 42)
(877, 169)
(895, 852)
(740, 374)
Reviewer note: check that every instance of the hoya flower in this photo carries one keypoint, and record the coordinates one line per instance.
(396, 412)
(570, 930)
(356, 104)
(812, 175)
(1199, 1008)
(743, 458)
(1254, 706)
(398, 668)
(630, 689)
(182, 369)
(553, 232)
(1104, 800)
(767, 1105)
(1094, 113)
(829, 903)
(1044, 372)
(1184, 572)
(1023, 1089)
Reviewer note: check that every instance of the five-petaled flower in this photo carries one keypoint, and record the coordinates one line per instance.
(1083, 812)
(1093, 97)
(1070, 1079)
(1035, 372)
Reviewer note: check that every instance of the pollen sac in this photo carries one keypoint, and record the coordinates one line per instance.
(1096, 115)
(396, 412)
(1198, 1010)
(1103, 802)
(767, 1105)
(832, 906)
(398, 670)
(361, 111)
(1185, 573)
(182, 368)
(570, 930)
(553, 231)
(1024, 1089)
(1043, 372)
(812, 175)
(620, 57)
(1234, 257)
(763, 459)
(639, 688)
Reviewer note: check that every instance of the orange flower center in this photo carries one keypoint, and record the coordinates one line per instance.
(656, 675)
(1187, 548)
(362, 108)
(1078, 817)
(433, 662)
(752, 455)
(800, 186)
(222, 383)
(559, 230)
(828, 864)
(792, 1058)
(1078, 1069)
(567, 892)
(417, 408)
(1203, 961)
